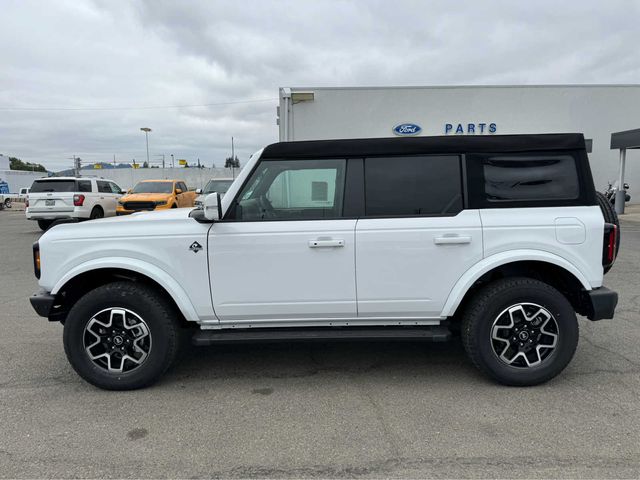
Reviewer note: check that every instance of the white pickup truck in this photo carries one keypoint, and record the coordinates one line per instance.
(499, 238)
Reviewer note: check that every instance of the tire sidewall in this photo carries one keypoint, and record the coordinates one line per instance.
(153, 315)
(565, 318)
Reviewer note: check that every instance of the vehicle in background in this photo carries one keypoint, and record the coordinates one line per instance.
(150, 195)
(220, 185)
(24, 193)
(52, 199)
(612, 190)
(5, 199)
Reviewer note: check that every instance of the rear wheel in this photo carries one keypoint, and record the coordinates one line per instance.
(44, 224)
(97, 212)
(121, 336)
(520, 331)
(7, 203)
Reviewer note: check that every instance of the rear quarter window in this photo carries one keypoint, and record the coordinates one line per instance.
(530, 177)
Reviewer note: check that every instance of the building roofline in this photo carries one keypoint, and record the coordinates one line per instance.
(428, 87)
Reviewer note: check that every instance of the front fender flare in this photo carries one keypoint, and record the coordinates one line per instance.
(173, 288)
(487, 264)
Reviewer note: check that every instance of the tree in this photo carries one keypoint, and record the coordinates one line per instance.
(17, 164)
(231, 162)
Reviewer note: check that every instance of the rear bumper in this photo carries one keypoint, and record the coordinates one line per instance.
(42, 302)
(601, 303)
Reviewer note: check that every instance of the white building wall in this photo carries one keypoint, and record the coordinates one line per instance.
(596, 111)
(18, 179)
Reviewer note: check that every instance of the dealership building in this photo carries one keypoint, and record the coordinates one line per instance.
(597, 111)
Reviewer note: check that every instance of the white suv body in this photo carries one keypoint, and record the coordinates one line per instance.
(339, 237)
(79, 198)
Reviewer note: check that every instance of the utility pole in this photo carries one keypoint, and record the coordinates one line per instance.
(114, 160)
(146, 131)
(233, 160)
(77, 165)
(172, 164)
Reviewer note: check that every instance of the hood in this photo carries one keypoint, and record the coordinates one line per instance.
(145, 197)
(152, 223)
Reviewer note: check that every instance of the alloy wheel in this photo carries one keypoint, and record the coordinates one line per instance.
(117, 340)
(524, 335)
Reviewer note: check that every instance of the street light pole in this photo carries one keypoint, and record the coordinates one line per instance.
(146, 131)
(172, 165)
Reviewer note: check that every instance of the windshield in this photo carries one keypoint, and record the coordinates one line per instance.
(153, 187)
(53, 186)
(220, 186)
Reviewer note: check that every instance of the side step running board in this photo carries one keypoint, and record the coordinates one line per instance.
(262, 335)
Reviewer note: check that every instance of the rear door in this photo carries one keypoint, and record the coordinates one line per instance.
(54, 196)
(106, 198)
(416, 239)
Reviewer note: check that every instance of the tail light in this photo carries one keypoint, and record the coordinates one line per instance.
(609, 250)
(36, 259)
(78, 200)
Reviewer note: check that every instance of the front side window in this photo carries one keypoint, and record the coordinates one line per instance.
(292, 190)
(410, 186)
(530, 177)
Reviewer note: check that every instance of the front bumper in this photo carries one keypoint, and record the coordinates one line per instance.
(42, 302)
(601, 303)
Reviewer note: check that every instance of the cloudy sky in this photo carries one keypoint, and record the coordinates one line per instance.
(80, 77)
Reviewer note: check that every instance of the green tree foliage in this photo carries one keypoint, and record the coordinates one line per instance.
(17, 164)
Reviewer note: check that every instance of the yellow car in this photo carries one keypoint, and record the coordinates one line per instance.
(156, 195)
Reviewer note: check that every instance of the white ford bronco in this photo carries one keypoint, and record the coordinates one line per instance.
(501, 239)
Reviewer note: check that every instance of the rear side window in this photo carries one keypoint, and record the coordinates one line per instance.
(84, 185)
(408, 186)
(530, 177)
(104, 187)
(53, 186)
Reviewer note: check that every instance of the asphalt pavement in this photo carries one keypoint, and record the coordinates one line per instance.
(317, 410)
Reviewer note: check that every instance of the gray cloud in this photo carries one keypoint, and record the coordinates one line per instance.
(111, 54)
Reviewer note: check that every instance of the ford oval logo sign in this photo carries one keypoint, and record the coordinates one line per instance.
(405, 129)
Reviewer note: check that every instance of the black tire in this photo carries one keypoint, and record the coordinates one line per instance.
(97, 212)
(44, 224)
(7, 203)
(491, 303)
(145, 302)
(175, 205)
(610, 216)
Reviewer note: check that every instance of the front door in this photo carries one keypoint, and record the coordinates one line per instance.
(416, 239)
(284, 251)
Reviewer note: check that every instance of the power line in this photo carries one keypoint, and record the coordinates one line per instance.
(139, 107)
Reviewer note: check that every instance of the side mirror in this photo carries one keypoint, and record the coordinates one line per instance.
(199, 191)
(178, 191)
(212, 207)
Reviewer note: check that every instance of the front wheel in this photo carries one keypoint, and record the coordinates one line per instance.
(7, 203)
(520, 331)
(121, 336)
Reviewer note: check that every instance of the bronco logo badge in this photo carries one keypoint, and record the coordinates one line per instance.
(195, 247)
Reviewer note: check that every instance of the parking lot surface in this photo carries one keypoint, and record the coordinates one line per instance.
(317, 410)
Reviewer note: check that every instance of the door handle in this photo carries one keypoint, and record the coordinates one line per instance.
(452, 240)
(326, 243)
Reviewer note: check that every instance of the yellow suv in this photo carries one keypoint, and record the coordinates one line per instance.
(156, 195)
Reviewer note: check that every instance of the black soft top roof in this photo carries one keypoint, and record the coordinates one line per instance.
(362, 147)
